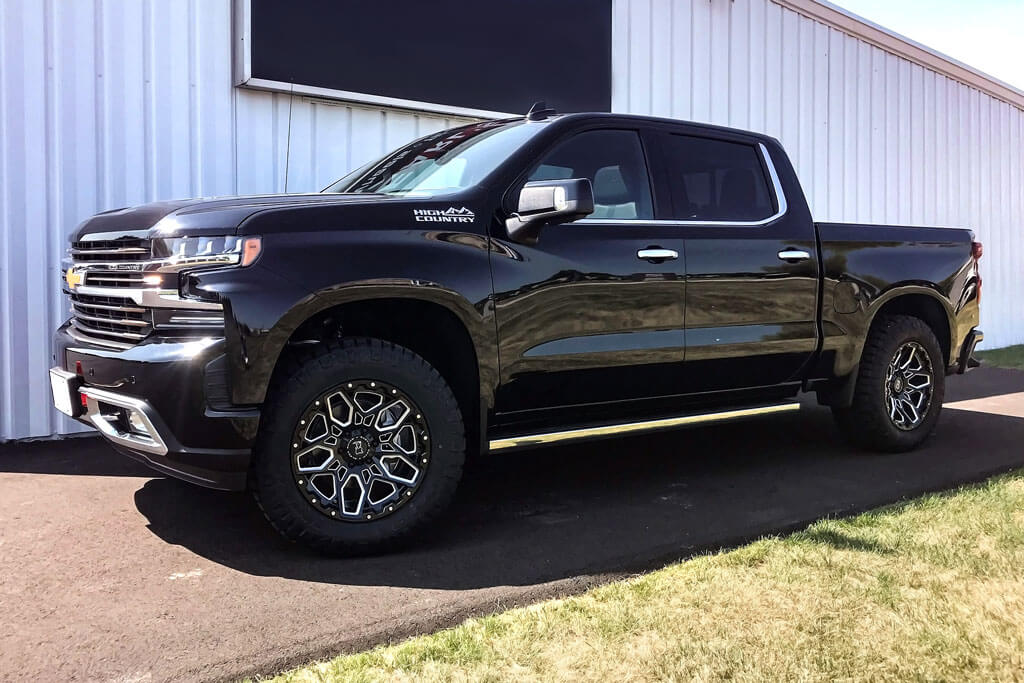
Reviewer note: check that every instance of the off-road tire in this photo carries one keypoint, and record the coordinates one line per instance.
(308, 376)
(866, 422)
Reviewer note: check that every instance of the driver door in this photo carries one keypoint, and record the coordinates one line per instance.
(593, 312)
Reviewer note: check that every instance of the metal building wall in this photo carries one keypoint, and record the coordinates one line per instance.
(107, 103)
(875, 137)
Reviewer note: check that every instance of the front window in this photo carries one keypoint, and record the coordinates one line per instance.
(440, 163)
(613, 161)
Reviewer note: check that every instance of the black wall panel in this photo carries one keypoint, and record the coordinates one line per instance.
(498, 55)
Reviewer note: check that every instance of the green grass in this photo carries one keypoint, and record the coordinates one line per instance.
(1006, 357)
(928, 590)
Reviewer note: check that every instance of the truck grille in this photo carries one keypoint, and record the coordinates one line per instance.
(125, 249)
(111, 320)
(125, 290)
(107, 278)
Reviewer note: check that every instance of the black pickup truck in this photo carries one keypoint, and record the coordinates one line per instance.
(502, 285)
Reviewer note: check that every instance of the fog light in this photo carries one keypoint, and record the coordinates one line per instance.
(136, 423)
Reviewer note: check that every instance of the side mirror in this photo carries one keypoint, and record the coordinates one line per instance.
(546, 202)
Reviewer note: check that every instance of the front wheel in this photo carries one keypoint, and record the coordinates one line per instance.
(900, 387)
(362, 445)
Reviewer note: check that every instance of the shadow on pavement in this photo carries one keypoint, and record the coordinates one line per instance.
(614, 506)
(605, 507)
(85, 455)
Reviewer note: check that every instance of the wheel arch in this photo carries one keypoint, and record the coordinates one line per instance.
(919, 301)
(439, 325)
(925, 304)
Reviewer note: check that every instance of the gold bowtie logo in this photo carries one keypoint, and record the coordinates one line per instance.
(74, 277)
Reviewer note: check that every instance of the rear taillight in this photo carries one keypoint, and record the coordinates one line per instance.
(976, 250)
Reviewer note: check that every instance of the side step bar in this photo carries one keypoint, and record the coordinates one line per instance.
(611, 430)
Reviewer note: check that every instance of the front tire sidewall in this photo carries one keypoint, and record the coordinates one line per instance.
(277, 490)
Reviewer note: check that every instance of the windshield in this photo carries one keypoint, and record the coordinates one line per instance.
(443, 162)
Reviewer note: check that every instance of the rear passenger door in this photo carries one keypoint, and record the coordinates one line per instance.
(751, 263)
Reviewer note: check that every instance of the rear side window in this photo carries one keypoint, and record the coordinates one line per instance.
(614, 162)
(714, 180)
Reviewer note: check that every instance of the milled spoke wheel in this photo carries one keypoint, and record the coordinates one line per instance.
(360, 451)
(908, 386)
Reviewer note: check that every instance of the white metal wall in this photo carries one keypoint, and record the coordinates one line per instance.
(107, 103)
(874, 137)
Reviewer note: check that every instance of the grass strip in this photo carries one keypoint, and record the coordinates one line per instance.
(1006, 357)
(932, 589)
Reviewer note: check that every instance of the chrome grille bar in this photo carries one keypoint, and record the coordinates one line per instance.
(119, 250)
(105, 307)
(92, 329)
(78, 336)
(103, 279)
(118, 321)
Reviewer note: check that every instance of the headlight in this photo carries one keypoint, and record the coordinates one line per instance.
(183, 253)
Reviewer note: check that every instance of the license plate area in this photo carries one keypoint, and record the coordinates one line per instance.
(64, 386)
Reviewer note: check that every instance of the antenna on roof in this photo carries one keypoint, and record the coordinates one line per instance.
(539, 111)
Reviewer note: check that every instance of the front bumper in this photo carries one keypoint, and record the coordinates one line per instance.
(152, 402)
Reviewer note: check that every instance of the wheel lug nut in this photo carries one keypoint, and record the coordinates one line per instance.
(369, 516)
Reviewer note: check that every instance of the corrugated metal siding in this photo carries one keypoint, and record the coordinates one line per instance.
(107, 103)
(875, 137)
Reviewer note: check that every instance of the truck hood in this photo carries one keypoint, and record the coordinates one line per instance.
(209, 216)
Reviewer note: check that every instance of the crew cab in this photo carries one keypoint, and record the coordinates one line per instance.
(503, 285)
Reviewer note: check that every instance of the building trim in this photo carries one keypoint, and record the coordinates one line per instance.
(901, 46)
(371, 100)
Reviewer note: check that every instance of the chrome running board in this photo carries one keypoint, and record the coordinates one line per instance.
(611, 430)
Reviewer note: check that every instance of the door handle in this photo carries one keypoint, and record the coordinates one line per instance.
(657, 254)
(794, 255)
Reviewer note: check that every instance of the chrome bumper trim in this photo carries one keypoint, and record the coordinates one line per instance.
(151, 442)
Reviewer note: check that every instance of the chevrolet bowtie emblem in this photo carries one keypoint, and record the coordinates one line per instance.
(74, 277)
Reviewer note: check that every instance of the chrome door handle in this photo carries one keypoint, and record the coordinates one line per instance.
(655, 254)
(794, 255)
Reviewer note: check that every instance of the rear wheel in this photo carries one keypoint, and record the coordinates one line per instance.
(900, 387)
(361, 445)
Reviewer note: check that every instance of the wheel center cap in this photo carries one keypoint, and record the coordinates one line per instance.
(897, 385)
(358, 449)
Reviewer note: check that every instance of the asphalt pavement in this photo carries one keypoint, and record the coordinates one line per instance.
(109, 571)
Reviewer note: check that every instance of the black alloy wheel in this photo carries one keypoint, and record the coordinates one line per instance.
(361, 446)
